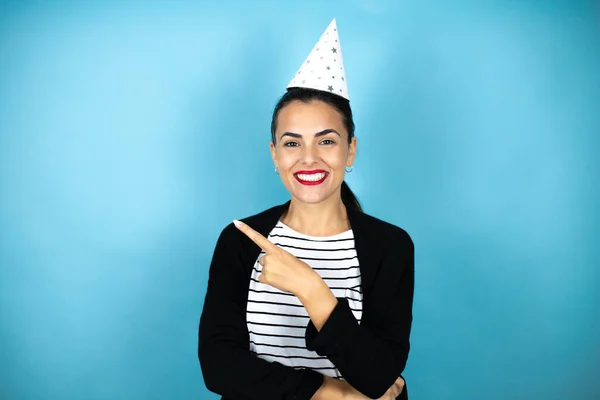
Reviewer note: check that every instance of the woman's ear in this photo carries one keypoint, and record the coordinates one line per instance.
(352, 151)
(273, 151)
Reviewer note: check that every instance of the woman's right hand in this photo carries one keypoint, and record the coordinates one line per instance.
(394, 391)
(391, 394)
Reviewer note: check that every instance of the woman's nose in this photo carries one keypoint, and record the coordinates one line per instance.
(309, 154)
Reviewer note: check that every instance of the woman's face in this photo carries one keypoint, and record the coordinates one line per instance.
(311, 150)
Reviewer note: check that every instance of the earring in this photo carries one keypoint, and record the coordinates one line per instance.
(276, 171)
(349, 170)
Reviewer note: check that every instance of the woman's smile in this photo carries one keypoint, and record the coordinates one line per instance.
(311, 178)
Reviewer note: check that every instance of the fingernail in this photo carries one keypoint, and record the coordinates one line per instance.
(237, 223)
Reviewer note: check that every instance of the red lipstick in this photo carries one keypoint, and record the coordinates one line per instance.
(312, 172)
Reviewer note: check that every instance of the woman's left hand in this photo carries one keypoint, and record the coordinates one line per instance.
(281, 269)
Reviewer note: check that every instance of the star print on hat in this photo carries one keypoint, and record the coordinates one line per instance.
(323, 69)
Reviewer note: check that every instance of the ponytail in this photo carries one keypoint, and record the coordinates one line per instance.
(349, 199)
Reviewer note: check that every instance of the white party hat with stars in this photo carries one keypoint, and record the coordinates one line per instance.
(323, 69)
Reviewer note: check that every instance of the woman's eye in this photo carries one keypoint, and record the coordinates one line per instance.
(328, 141)
(290, 144)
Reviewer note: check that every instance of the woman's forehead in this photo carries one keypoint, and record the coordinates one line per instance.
(310, 118)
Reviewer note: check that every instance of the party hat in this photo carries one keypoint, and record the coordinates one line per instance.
(324, 69)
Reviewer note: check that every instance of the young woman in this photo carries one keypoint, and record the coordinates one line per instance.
(311, 299)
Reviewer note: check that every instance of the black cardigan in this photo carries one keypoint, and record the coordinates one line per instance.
(370, 356)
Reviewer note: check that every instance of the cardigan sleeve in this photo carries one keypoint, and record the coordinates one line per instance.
(372, 355)
(227, 365)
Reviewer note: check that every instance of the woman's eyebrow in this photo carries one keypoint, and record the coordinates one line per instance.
(318, 134)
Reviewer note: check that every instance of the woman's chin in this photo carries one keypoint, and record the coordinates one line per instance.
(311, 197)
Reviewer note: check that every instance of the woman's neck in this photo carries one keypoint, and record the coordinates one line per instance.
(323, 219)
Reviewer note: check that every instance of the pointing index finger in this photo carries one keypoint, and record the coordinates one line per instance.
(256, 237)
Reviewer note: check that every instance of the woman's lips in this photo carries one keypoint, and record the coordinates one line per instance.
(311, 178)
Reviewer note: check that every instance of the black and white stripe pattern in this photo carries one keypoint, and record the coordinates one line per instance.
(277, 320)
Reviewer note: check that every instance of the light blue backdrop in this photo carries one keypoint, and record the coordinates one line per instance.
(132, 132)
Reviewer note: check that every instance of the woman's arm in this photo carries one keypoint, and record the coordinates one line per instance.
(370, 356)
(227, 365)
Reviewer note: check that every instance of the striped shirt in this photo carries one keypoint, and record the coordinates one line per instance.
(277, 320)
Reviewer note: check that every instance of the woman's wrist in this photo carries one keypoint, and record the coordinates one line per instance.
(312, 285)
(318, 300)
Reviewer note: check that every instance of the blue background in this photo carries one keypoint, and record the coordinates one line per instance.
(132, 132)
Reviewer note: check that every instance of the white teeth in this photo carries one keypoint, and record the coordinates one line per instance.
(311, 177)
